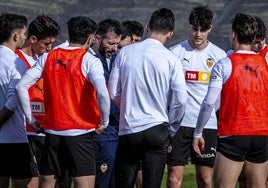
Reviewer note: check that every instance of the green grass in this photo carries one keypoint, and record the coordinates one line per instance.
(188, 178)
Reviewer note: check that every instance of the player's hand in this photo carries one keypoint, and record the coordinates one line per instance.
(199, 145)
(36, 125)
(99, 130)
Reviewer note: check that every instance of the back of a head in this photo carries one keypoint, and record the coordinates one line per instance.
(9, 23)
(201, 17)
(162, 21)
(109, 25)
(245, 27)
(261, 34)
(135, 27)
(79, 29)
(42, 27)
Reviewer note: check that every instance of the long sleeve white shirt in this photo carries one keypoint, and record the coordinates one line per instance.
(146, 80)
(11, 70)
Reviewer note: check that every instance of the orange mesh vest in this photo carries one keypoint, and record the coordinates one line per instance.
(244, 97)
(264, 51)
(70, 100)
(36, 96)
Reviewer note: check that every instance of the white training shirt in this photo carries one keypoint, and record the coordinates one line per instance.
(93, 72)
(197, 65)
(11, 70)
(141, 82)
(31, 60)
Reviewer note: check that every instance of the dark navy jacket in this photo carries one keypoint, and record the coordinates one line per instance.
(111, 132)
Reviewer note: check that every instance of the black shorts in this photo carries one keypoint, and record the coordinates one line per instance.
(148, 146)
(72, 153)
(182, 148)
(240, 148)
(140, 165)
(17, 161)
(36, 144)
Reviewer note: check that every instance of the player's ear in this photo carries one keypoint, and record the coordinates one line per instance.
(169, 35)
(210, 28)
(233, 36)
(33, 39)
(147, 28)
(15, 36)
(98, 38)
(91, 38)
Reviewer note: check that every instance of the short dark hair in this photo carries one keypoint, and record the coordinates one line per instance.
(245, 27)
(162, 20)
(135, 27)
(201, 17)
(9, 23)
(261, 34)
(79, 29)
(109, 25)
(126, 31)
(42, 27)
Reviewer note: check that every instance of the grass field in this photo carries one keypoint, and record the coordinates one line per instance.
(188, 178)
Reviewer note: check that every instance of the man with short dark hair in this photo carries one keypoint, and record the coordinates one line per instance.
(241, 82)
(198, 56)
(136, 28)
(42, 32)
(16, 159)
(146, 81)
(259, 44)
(107, 38)
(76, 101)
